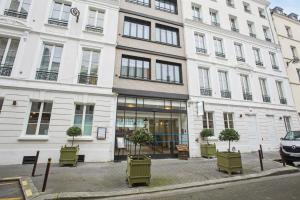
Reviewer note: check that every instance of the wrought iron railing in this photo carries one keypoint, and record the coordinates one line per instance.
(266, 98)
(275, 67)
(94, 28)
(252, 35)
(259, 63)
(235, 29)
(5, 70)
(226, 94)
(240, 59)
(174, 11)
(247, 96)
(206, 91)
(215, 24)
(200, 50)
(283, 100)
(87, 79)
(139, 2)
(14, 13)
(57, 22)
(220, 54)
(46, 75)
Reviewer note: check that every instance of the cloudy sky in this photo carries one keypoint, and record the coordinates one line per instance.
(288, 5)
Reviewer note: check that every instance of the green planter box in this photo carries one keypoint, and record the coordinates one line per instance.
(229, 162)
(138, 170)
(208, 150)
(68, 155)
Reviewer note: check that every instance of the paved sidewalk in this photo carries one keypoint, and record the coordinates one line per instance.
(110, 177)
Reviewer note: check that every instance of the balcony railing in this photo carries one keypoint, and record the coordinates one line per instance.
(201, 50)
(87, 79)
(139, 2)
(252, 35)
(283, 100)
(46, 75)
(5, 70)
(14, 13)
(226, 94)
(235, 29)
(166, 9)
(259, 63)
(206, 91)
(266, 98)
(94, 28)
(220, 54)
(247, 96)
(240, 59)
(215, 24)
(197, 19)
(275, 67)
(58, 22)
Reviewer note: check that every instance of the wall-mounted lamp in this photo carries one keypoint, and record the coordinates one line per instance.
(14, 103)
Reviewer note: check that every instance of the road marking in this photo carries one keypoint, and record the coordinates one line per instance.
(15, 198)
(10, 178)
(7, 183)
(28, 193)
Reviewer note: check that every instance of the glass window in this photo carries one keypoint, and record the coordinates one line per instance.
(167, 35)
(246, 87)
(84, 118)
(219, 50)
(168, 72)
(233, 23)
(223, 78)
(200, 43)
(208, 120)
(135, 67)
(298, 72)
(8, 52)
(166, 5)
(261, 12)
(136, 28)
(140, 2)
(18, 8)
(287, 123)
(294, 52)
(228, 120)
(280, 89)
(230, 3)
(196, 12)
(39, 118)
(247, 7)
(95, 20)
(1, 103)
(264, 90)
(60, 13)
(289, 31)
(273, 60)
(257, 56)
(239, 52)
(51, 57)
(89, 67)
(204, 78)
(251, 29)
(267, 33)
(214, 17)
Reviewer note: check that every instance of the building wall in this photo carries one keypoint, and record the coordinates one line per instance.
(22, 87)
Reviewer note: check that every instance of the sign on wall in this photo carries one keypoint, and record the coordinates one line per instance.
(101, 133)
(200, 108)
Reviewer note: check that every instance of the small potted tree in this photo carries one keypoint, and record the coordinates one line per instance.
(207, 150)
(69, 155)
(139, 166)
(229, 161)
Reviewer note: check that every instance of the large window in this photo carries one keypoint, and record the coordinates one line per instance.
(208, 120)
(60, 13)
(228, 120)
(246, 87)
(219, 48)
(8, 51)
(18, 8)
(95, 21)
(264, 90)
(251, 29)
(239, 52)
(84, 118)
(298, 72)
(50, 62)
(205, 88)
(39, 118)
(134, 67)
(214, 17)
(294, 53)
(200, 43)
(273, 60)
(233, 23)
(1, 103)
(257, 56)
(168, 72)
(196, 12)
(266, 31)
(166, 5)
(89, 67)
(287, 123)
(136, 28)
(167, 35)
(247, 7)
(280, 91)
(224, 85)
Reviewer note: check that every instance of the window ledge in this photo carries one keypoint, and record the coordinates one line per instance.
(33, 138)
(57, 26)
(81, 138)
(277, 70)
(202, 54)
(221, 58)
(94, 33)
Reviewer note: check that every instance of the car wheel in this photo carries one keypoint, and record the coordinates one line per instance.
(288, 162)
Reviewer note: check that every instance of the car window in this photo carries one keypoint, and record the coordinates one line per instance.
(293, 135)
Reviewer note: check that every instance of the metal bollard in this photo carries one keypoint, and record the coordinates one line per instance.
(46, 175)
(283, 160)
(260, 160)
(35, 163)
(262, 154)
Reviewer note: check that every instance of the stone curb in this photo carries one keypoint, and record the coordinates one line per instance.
(100, 195)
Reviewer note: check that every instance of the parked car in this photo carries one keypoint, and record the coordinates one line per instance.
(290, 147)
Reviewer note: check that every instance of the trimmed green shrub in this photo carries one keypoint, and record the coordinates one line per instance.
(74, 131)
(229, 135)
(206, 133)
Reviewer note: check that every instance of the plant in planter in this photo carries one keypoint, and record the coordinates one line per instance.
(69, 155)
(139, 166)
(229, 161)
(207, 150)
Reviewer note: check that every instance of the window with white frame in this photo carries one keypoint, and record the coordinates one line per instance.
(208, 120)
(89, 67)
(264, 90)
(289, 31)
(200, 43)
(60, 13)
(266, 31)
(247, 7)
(39, 118)
(219, 48)
(239, 52)
(294, 53)
(230, 3)
(95, 20)
(251, 29)
(233, 23)
(273, 60)
(224, 84)
(196, 12)
(287, 123)
(167, 35)
(136, 28)
(262, 13)
(83, 118)
(50, 62)
(1, 103)
(281, 93)
(214, 17)
(246, 87)
(257, 57)
(18, 8)
(228, 120)
(205, 88)
(8, 52)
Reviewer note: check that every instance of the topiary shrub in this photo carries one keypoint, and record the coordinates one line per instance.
(141, 137)
(229, 135)
(74, 131)
(206, 133)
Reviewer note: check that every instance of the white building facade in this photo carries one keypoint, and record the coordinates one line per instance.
(237, 77)
(57, 72)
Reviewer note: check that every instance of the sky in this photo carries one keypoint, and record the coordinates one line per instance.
(288, 5)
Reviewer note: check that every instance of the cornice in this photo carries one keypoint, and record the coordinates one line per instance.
(13, 23)
(286, 18)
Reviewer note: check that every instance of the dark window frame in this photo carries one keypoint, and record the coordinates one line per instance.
(175, 11)
(137, 22)
(167, 28)
(127, 75)
(161, 72)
